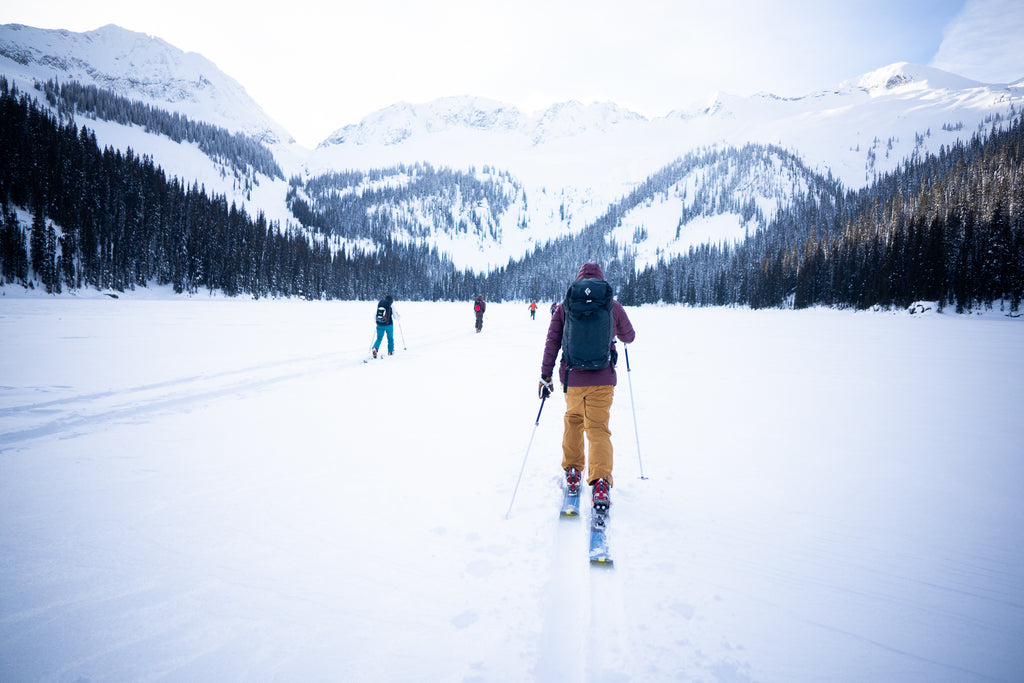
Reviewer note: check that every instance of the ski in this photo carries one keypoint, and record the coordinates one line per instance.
(571, 487)
(571, 503)
(599, 554)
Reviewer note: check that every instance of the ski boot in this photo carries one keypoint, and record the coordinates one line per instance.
(572, 481)
(601, 498)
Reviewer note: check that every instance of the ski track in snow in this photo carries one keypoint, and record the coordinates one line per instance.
(95, 411)
(222, 490)
(562, 646)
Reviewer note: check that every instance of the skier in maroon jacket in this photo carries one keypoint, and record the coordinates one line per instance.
(588, 400)
(479, 306)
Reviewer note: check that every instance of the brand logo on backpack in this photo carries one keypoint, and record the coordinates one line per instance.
(589, 326)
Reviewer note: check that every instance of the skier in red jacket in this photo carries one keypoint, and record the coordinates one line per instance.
(478, 308)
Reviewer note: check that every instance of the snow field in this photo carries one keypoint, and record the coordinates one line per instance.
(213, 489)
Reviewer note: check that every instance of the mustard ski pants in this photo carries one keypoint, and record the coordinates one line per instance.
(587, 410)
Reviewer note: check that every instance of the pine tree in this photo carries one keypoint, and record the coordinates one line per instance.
(13, 250)
(51, 274)
(37, 242)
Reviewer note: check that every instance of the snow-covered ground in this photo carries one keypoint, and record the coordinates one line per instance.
(215, 490)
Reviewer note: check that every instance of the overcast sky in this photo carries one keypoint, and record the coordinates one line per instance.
(316, 65)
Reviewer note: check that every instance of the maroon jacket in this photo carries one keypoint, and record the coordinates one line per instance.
(584, 378)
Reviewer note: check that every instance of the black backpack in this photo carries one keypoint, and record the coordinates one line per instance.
(589, 325)
(383, 313)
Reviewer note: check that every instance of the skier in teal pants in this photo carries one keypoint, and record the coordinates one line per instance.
(385, 325)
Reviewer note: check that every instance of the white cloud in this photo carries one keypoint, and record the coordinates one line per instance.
(985, 42)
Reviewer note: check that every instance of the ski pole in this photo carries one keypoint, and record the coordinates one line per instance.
(527, 453)
(625, 348)
(403, 337)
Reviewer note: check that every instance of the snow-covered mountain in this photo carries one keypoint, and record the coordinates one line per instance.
(148, 70)
(573, 160)
(400, 122)
(139, 67)
(562, 167)
(835, 130)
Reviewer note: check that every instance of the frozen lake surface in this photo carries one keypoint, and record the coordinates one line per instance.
(212, 490)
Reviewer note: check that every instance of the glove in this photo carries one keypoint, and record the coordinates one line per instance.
(545, 387)
(615, 357)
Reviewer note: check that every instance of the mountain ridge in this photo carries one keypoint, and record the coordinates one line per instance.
(568, 163)
(142, 67)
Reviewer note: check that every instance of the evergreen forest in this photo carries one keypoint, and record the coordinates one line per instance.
(243, 154)
(947, 228)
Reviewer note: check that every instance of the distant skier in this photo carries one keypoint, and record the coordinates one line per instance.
(584, 326)
(385, 318)
(553, 307)
(533, 310)
(479, 306)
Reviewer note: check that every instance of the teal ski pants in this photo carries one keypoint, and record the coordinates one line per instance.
(390, 331)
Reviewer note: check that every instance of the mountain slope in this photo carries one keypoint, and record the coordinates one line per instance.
(578, 159)
(834, 130)
(564, 166)
(151, 73)
(138, 67)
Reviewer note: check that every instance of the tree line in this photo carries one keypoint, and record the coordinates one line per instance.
(946, 227)
(235, 150)
(709, 182)
(114, 221)
(417, 201)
